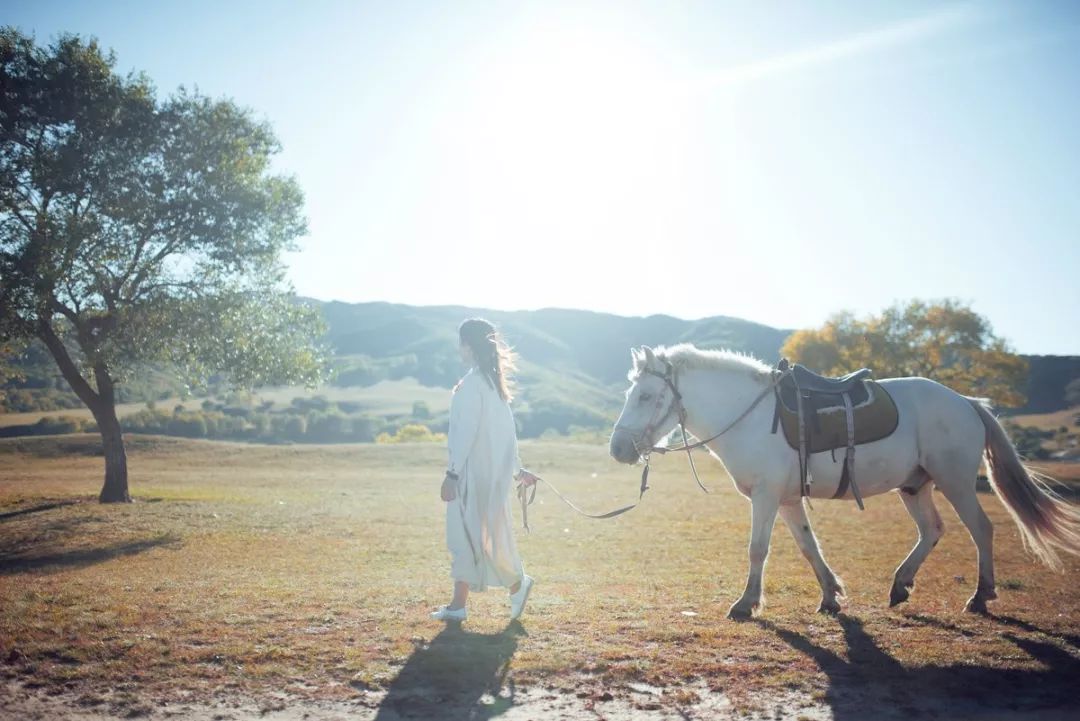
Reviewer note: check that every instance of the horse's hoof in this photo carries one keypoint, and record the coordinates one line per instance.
(740, 613)
(977, 604)
(829, 608)
(898, 595)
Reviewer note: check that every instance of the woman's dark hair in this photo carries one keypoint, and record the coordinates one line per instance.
(493, 357)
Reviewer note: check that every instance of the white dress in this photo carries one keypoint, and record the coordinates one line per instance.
(484, 454)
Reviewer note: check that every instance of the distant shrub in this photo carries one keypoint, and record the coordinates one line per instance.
(412, 433)
(55, 426)
(232, 426)
(187, 426)
(147, 420)
(329, 427)
(306, 405)
(29, 400)
(1029, 440)
(364, 429)
(295, 427)
(260, 425)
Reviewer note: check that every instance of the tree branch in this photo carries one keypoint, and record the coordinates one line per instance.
(67, 366)
(14, 210)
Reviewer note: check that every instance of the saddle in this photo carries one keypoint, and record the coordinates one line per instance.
(820, 414)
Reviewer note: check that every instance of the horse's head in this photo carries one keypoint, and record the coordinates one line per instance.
(651, 410)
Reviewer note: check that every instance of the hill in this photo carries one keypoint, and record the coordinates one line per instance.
(573, 366)
(574, 362)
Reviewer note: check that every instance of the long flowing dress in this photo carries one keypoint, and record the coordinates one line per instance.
(484, 453)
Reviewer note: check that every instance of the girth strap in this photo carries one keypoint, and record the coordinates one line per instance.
(804, 446)
(806, 406)
(847, 473)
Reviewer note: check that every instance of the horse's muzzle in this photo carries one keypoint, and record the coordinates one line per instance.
(622, 447)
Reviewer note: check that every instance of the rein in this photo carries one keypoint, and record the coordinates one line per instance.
(668, 376)
(527, 498)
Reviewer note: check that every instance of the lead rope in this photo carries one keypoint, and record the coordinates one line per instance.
(527, 499)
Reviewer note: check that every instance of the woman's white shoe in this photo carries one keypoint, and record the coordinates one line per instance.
(446, 614)
(517, 600)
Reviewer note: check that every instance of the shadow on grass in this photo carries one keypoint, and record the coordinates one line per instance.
(457, 675)
(16, 562)
(1071, 639)
(872, 684)
(35, 509)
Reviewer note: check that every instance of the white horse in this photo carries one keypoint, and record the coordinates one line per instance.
(940, 440)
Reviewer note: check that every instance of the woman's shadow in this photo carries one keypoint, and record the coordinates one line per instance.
(456, 675)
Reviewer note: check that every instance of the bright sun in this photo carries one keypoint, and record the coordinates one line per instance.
(575, 135)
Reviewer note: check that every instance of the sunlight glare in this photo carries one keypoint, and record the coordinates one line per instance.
(575, 137)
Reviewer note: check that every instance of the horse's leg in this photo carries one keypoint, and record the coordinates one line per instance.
(920, 506)
(966, 503)
(794, 515)
(763, 516)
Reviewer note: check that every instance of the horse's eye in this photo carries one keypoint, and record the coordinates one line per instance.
(645, 397)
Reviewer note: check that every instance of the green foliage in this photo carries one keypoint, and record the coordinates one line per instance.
(1072, 393)
(412, 433)
(140, 232)
(136, 231)
(221, 422)
(59, 425)
(944, 340)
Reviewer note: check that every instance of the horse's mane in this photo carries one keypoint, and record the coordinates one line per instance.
(686, 356)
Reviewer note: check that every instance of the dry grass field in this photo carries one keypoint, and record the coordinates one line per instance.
(296, 581)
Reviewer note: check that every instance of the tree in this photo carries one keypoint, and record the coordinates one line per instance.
(137, 232)
(421, 411)
(1072, 393)
(943, 340)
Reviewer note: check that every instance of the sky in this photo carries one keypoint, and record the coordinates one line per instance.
(773, 161)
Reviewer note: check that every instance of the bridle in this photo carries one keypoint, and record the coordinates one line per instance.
(676, 405)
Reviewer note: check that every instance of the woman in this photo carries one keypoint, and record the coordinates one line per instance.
(483, 464)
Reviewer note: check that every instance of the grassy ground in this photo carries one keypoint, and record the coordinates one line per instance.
(1049, 421)
(252, 570)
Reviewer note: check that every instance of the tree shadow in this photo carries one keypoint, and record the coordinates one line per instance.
(456, 675)
(16, 562)
(871, 684)
(35, 509)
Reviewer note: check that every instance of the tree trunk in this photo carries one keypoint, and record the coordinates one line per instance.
(102, 403)
(115, 489)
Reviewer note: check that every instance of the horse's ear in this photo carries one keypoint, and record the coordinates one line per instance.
(650, 358)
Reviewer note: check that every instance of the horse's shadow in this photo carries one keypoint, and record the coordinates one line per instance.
(871, 684)
(457, 675)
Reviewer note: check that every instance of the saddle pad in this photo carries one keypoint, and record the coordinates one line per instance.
(876, 417)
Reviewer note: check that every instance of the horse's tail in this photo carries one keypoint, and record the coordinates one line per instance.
(1047, 522)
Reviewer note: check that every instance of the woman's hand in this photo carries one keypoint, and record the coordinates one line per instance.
(527, 478)
(449, 489)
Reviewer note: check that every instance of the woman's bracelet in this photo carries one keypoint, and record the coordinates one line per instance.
(451, 476)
